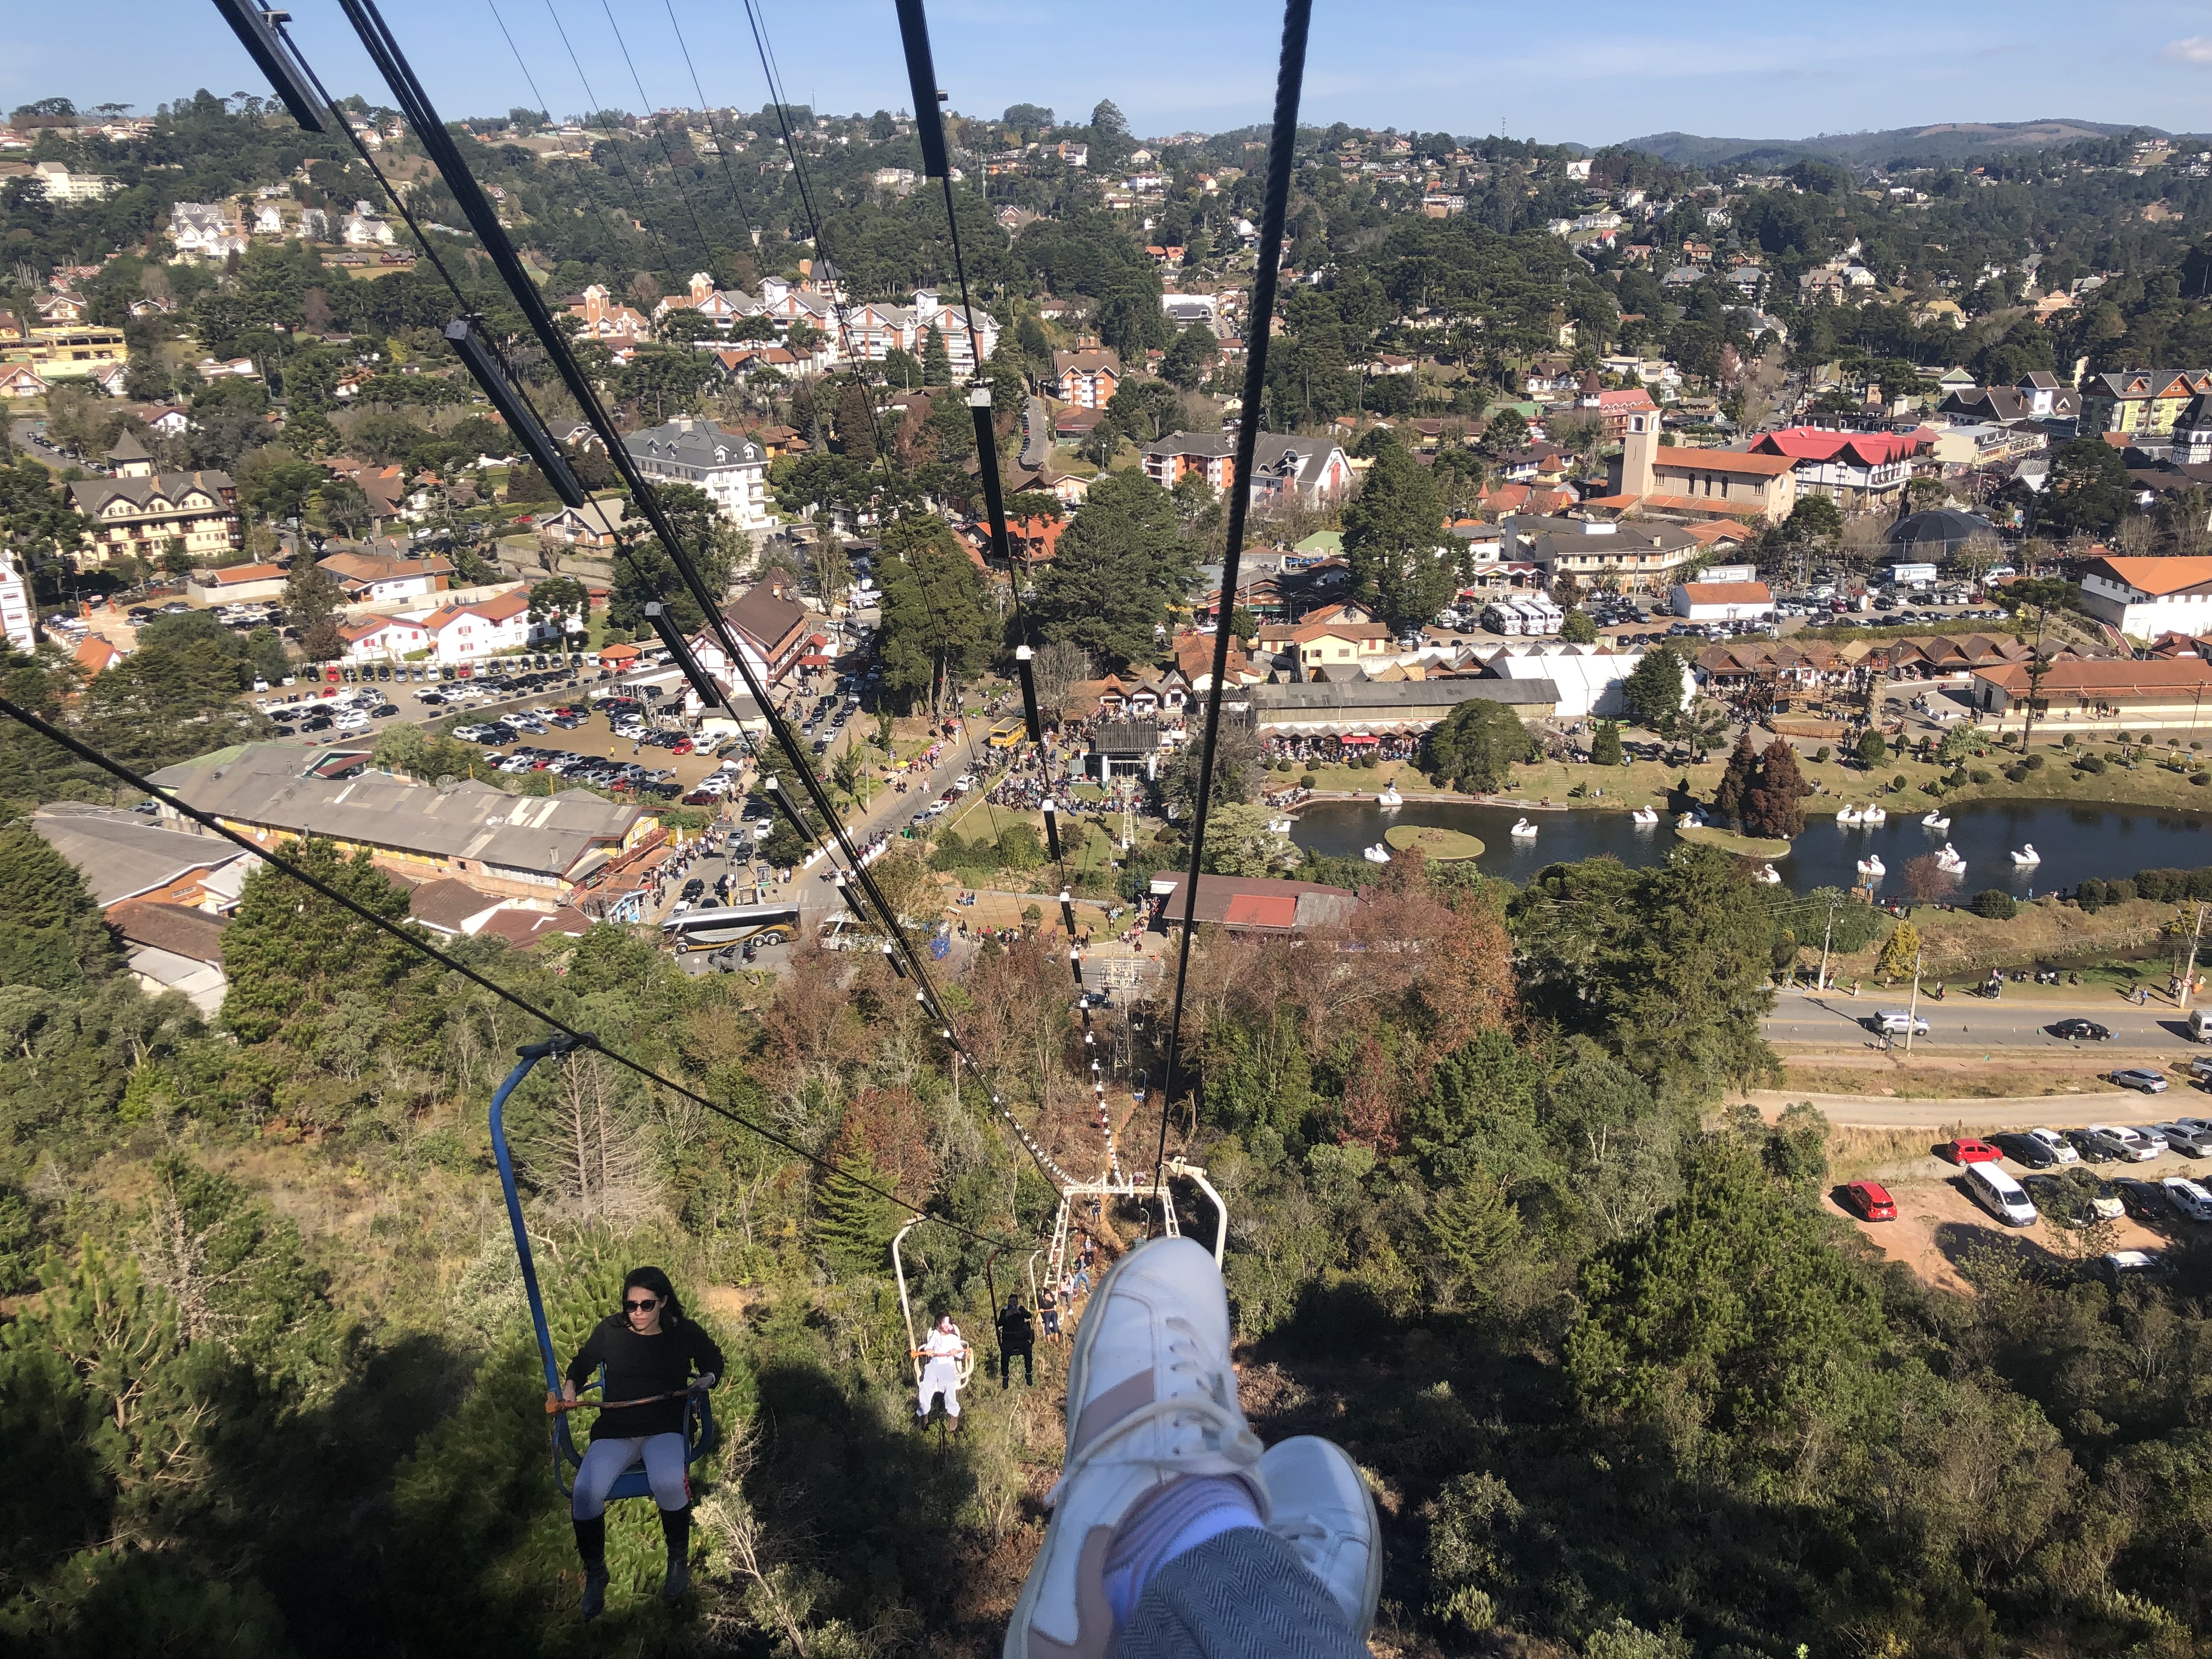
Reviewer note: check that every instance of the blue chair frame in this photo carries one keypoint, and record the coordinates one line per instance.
(698, 1411)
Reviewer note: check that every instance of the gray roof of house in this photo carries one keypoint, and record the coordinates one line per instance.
(123, 853)
(93, 494)
(267, 784)
(693, 443)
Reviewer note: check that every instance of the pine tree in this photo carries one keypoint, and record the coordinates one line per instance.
(1605, 745)
(1737, 782)
(936, 361)
(853, 1226)
(856, 429)
(1775, 805)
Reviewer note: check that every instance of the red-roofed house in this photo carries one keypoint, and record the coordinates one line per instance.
(383, 639)
(1723, 601)
(1858, 469)
(465, 633)
(96, 656)
(1034, 539)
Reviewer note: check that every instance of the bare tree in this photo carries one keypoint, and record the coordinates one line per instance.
(591, 1153)
(1056, 669)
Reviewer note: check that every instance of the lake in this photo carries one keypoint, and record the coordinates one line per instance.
(2075, 842)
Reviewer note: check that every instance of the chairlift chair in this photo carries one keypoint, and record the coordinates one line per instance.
(698, 1412)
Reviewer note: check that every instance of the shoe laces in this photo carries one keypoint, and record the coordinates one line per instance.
(1224, 1431)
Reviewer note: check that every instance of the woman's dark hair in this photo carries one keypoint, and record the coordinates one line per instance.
(652, 1279)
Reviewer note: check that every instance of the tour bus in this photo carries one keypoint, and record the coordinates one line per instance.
(713, 926)
(1007, 733)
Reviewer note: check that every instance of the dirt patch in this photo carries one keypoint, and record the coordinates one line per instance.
(1940, 1079)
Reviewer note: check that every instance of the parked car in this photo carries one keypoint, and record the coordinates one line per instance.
(2144, 1201)
(2093, 1147)
(1870, 1201)
(1966, 1150)
(1996, 1191)
(2026, 1149)
(2119, 1266)
(2183, 1136)
(2074, 1198)
(2062, 1148)
(2080, 1030)
(2186, 1196)
(2122, 1144)
(2139, 1077)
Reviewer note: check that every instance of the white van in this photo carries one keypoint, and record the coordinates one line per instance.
(2200, 1025)
(1999, 1195)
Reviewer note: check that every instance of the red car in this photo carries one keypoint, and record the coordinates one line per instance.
(1966, 1150)
(1870, 1201)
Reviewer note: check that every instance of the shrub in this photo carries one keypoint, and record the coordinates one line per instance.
(1307, 781)
(1957, 778)
(2033, 763)
(2091, 764)
(2016, 773)
(1996, 904)
(1897, 782)
(2066, 742)
(1824, 753)
(2200, 777)
(1982, 774)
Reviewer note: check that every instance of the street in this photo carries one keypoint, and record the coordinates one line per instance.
(1962, 1022)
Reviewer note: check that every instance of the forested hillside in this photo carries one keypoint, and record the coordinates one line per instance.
(1621, 1387)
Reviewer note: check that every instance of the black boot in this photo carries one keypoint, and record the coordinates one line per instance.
(592, 1546)
(675, 1528)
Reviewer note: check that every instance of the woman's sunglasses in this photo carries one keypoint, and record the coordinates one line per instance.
(644, 1304)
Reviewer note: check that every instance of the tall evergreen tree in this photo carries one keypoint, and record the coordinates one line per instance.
(1116, 570)
(1775, 804)
(1736, 782)
(1392, 535)
(936, 361)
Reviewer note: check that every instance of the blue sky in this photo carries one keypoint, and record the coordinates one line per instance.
(1595, 72)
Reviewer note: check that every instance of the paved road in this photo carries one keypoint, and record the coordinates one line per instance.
(1036, 432)
(1959, 1023)
(26, 435)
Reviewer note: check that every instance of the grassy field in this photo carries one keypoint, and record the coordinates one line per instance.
(1751, 847)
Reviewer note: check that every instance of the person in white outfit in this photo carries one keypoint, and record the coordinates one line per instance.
(942, 1350)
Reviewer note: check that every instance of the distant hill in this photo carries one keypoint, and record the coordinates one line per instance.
(1946, 141)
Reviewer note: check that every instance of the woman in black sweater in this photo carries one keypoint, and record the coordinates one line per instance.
(649, 1350)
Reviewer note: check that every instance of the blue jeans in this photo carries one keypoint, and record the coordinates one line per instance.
(605, 1460)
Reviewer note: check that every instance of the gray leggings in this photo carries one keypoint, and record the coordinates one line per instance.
(605, 1460)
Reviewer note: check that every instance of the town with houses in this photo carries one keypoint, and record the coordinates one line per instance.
(1663, 529)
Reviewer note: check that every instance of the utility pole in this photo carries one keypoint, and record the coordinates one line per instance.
(1912, 1009)
(2189, 974)
(1826, 934)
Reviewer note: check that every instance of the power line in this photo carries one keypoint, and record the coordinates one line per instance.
(208, 821)
(599, 114)
(705, 248)
(544, 108)
(721, 148)
(1290, 75)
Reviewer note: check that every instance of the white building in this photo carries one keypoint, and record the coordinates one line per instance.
(16, 615)
(1723, 601)
(268, 220)
(466, 633)
(62, 186)
(367, 230)
(383, 639)
(2144, 598)
(205, 230)
(1587, 678)
(731, 468)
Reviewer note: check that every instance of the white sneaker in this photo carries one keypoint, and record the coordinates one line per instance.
(1152, 1397)
(1321, 1508)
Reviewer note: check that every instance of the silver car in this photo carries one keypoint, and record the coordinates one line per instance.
(2184, 1137)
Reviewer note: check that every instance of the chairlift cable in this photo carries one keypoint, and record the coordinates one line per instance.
(668, 153)
(1297, 17)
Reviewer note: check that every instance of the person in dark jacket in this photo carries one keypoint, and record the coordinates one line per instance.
(1017, 1335)
(650, 1351)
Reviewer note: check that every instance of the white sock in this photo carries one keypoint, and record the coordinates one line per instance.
(1176, 1519)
